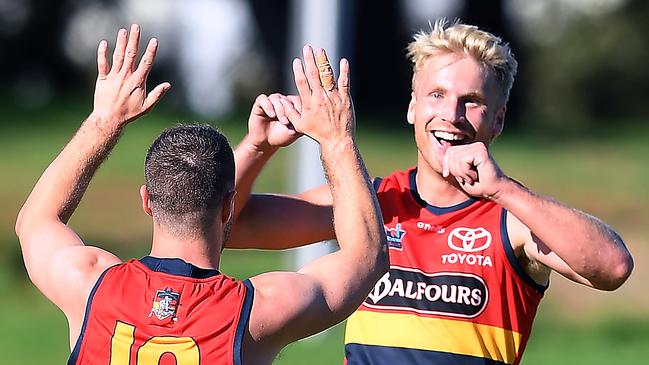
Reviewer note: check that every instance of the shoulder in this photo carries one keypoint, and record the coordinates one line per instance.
(75, 272)
(280, 300)
(397, 178)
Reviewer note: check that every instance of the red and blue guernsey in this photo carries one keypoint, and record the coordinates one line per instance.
(455, 292)
(164, 312)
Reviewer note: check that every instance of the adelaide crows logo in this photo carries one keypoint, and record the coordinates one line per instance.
(164, 306)
(394, 236)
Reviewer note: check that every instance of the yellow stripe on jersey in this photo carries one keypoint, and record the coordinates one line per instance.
(414, 332)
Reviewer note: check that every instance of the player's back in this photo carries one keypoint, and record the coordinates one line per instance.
(164, 311)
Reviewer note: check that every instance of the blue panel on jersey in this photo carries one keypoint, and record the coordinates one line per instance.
(431, 208)
(511, 256)
(178, 267)
(242, 326)
(381, 355)
(77, 347)
(376, 183)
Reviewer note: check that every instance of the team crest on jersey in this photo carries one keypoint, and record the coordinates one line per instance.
(165, 303)
(394, 236)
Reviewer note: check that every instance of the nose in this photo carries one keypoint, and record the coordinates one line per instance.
(451, 110)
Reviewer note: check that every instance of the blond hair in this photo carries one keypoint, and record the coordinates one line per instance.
(455, 37)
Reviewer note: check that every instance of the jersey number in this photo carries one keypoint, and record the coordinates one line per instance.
(184, 349)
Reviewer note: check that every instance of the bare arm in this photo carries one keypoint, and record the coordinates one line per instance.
(57, 260)
(289, 306)
(275, 221)
(261, 220)
(268, 130)
(575, 244)
(547, 233)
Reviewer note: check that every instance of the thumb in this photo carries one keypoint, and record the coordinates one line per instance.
(155, 95)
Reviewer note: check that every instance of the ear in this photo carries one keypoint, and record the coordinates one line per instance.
(228, 206)
(144, 194)
(499, 122)
(411, 109)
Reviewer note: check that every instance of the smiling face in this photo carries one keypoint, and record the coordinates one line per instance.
(455, 101)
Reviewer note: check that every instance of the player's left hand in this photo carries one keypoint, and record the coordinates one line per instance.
(474, 169)
(120, 92)
(268, 125)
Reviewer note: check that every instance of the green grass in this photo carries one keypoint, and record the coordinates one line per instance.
(604, 175)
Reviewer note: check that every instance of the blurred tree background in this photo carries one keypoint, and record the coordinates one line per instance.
(582, 63)
(576, 129)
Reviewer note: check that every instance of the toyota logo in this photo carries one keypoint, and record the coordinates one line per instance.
(469, 239)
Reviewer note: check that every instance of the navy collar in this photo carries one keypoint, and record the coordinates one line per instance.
(431, 208)
(176, 266)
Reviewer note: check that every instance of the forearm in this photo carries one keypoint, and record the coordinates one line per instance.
(589, 246)
(58, 191)
(249, 161)
(357, 221)
(276, 222)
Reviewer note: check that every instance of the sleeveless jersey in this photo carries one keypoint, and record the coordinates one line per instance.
(164, 312)
(455, 292)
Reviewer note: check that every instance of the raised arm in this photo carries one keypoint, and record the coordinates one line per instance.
(268, 130)
(57, 260)
(261, 219)
(289, 306)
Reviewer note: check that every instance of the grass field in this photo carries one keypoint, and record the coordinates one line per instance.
(606, 176)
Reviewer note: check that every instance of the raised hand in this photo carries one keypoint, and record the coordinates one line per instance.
(474, 169)
(268, 125)
(120, 92)
(327, 114)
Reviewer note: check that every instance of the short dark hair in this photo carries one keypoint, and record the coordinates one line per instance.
(188, 171)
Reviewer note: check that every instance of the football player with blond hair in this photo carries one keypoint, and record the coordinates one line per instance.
(471, 249)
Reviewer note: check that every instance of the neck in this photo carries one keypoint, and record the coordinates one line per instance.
(203, 251)
(437, 190)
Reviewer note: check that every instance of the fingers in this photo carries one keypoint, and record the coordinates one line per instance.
(118, 53)
(278, 106)
(131, 48)
(446, 170)
(343, 78)
(325, 72)
(315, 72)
(461, 164)
(296, 101)
(273, 109)
(312, 72)
(102, 61)
(300, 79)
(155, 95)
(288, 112)
(146, 62)
(292, 113)
(263, 107)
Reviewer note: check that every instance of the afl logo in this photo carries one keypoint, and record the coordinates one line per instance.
(469, 239)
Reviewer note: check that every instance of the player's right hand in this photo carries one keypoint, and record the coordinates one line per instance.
(327, 113)
(268, 125)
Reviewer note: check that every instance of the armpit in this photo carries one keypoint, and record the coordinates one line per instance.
(534, 268)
